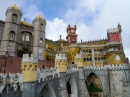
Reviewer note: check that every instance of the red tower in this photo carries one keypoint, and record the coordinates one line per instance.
(71, 35)
(114, 34)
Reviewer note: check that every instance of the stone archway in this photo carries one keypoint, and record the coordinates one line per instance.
(72, 87)
(94, 85)
(47, 91)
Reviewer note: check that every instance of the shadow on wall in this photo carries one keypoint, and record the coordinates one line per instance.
(47, 91)
(94, 86)
(72, 87)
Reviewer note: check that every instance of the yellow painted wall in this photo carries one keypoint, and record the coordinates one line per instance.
(61, 65)
(29, 72)
(112, 60)
(72, 52)
(49, 53)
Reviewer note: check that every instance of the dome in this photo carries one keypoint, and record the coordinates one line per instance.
(39, 17)
(25, 23)
(14, 7)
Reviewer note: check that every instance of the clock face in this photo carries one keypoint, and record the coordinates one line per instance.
(117, 57)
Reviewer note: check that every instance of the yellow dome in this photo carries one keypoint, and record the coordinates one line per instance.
(25, 23)
(40, 17)
(15, 7)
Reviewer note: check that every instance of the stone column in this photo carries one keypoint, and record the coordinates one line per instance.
(93, 57)
(62, 85)
(61, 64)
(83, 92)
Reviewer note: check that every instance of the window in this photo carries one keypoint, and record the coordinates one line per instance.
(55, 49)
(12, 35)
(40, 50)
(46, 45)
(10, 45)
(40, 40)
(117, 57)
(41, 26)
(73, 39)
(14, 18)
(27, 38)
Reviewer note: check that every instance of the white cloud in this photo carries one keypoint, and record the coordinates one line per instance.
(92, 17)
(106, 14)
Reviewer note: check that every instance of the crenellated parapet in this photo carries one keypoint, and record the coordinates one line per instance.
(72, 69)
(26, 58)
(29, 67)
(113, 30)
(61, 62)
(108, 67)
(47, 74)
(79, 59)
(12, 80)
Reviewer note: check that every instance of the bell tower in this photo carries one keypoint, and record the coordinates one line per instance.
(39, 24)
(11, 31)
(71, 35)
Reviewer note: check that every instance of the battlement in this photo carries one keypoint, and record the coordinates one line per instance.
(89, 41)
(71, 28)
(72, 68)
(80, 55)
(108, 67)
(47, 74)
(33, 58)
(61, 56)
(14, 80)
(112, 30)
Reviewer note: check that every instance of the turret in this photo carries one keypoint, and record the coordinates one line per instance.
(71, 34)
(39, 24)
(114, 34)
(80, 63)
(11, 29)
(29, 67)
(29, 71)
(115, 53)
(61, 62)
(79, 59)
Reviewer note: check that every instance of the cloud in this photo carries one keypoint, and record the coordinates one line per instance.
(92, 17)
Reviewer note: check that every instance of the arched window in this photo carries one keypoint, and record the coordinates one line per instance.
(27, 38)
(41, 26)
(84, 59)
(14, 18)
(55, 49)
(46, 45)
(40, 50)
(12, 35)
(40, 40)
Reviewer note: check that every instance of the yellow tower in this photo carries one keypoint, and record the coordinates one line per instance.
(29, 67)
(61, 62)
(79, 59)
(73, 51)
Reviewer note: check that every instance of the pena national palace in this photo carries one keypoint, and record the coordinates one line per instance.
(33, 66)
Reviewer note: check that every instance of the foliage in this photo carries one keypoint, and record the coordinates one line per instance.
(92, 88)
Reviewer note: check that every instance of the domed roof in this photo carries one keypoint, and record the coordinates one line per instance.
(26, 23)
(14, 7)
(39, 17)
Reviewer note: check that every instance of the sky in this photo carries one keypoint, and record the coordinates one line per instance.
(92, 17)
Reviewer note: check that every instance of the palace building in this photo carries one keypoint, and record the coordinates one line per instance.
(33, 66)
(19, 37)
